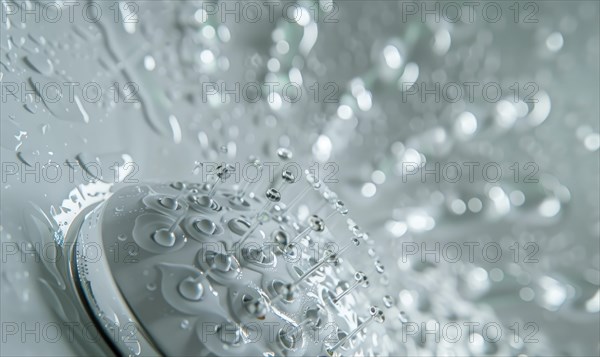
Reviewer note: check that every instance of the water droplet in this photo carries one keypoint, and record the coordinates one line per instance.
(284, 153)
(392, 57)
(191, 288)
(263, 217)
(256, 307)
(168, 202)
(151, 233)
(221, 262)
(206, 226)
(178, 185)
(288, 176)
(549, 207)
(592, 142)
(341, 208)
(225, 171)
(185, 324)
(379, 267)
(555, 41)
(281, 238)
(164, 237)
(479, 346)
(186, 289)
(316, 223)
(31, 107)
(527, 294)
(368, 189)
(149, 63)
(403, 317)
(388, 301)
(273, 195)
(238, 226)
(345, 112)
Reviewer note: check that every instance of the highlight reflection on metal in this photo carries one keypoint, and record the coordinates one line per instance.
(149, 96)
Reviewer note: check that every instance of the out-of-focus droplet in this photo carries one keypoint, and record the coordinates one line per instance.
(149, 63)
(368, 189)
(392, 56)
(554, 42)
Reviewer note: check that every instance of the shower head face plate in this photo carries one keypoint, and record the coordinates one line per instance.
(162, 266)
